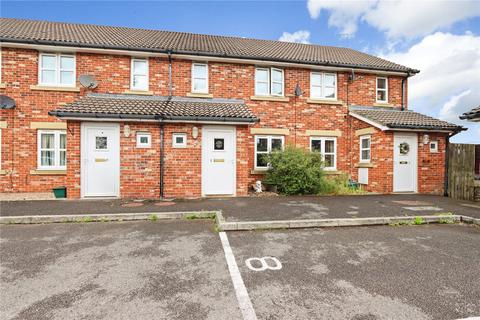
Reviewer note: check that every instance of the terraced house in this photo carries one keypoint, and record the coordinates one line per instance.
(120, 112)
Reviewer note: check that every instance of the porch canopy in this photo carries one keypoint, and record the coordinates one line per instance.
(395, 119)
(121, 107)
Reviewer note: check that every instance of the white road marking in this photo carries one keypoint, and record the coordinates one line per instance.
(264, 263)
(472, 318)
(243, 298)
(426, 208)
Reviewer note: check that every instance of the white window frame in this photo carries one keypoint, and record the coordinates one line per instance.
(435, 149)
(322, 146)
(281, 82)
(386, 90)
(132, 74)
(269, 82)
(193, 77)
(269, 147)
(366, 137)
(141, 135)
(57, 69)
(174, 140)
(56, 148)
(322, 86)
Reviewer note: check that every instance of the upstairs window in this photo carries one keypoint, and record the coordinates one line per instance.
(323, 85)
(52, 149)
(139, 75)
(57, 69)
(327, 146)
(382, 90)
(269, 82)
(200, 77)
(265, 145)
(365, 148)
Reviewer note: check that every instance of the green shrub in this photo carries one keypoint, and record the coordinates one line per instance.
(295, 171)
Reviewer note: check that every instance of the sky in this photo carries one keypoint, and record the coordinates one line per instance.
(440, 38)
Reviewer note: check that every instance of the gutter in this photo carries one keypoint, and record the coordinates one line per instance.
(197, 53)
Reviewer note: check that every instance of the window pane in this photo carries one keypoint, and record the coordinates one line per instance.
(329, 160)
(261, 160)
(316, 92)
(329, 80)
(101, 143)
(47, 158)
(140, 67)
(365, 154)
(329, 92)
(262, 75)
(200, 85)
(48, 76)
(329, 146)
(381, 95)
(262, 144)
(140, 82)
(63, 158)
(316, 79)
(381, 83)
(199, 71)
(67, 63)
(277, 88)
(179, 140)
(261, 88)
(277, 75)
(66, 77)
(47, 141)
(365, 143)
(276, 144)
(48, 62)
(316, 145)
(63, 141)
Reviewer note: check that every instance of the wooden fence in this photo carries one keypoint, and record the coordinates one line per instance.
(461, 171)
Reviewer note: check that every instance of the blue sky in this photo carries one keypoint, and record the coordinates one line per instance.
(431, 36)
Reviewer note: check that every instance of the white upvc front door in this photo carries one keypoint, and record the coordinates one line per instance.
(100, 166)
(405, 162)
(218, 160)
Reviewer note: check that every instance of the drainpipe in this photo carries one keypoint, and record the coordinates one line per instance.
(162, 129)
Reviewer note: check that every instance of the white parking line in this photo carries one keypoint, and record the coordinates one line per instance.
(240, 290)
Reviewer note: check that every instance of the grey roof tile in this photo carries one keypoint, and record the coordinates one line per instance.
(69, 34)
(473, 114)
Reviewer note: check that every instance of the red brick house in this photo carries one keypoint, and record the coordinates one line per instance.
(185, 115)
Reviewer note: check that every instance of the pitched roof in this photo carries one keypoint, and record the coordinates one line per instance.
(96, 105)
(473, 114)
(397, 119)
(95, 36)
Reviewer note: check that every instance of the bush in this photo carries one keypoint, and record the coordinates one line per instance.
(295, 171)
(339, 185)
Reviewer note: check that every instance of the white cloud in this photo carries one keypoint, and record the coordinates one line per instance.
(449, 80)
(300, 36)
(398, 19)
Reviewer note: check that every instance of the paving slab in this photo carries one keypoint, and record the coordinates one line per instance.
(384, 272)
(117, 270)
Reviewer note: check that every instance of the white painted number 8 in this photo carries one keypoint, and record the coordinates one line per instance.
(265, 265)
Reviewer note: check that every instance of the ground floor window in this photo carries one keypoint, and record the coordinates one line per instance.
(327, 146)
(52, 149)
(365, 148)
(264, 145)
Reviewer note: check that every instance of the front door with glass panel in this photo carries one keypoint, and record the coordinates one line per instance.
(405, 162)
(100, 160)
(218, 160)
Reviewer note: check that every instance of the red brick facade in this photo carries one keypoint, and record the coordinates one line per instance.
(140, 168)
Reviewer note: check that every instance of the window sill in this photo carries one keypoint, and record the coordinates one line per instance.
(53, 88)
(383, 104)
(323, 101)
(258, 171)
(2, 172)
(199, 95)
(139, 92)
(331, 172)
(3, 85)
(270, 98)
(365, 165)
(42, 172)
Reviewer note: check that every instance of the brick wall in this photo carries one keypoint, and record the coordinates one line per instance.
(141, 167)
